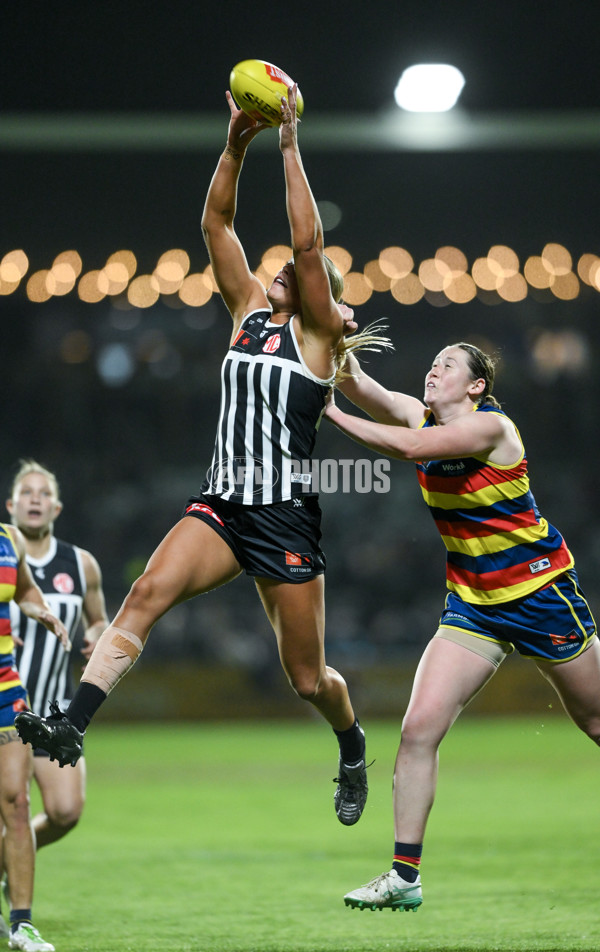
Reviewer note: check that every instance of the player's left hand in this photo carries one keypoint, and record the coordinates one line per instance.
(242, 128)
(350, 324)
(288, 127)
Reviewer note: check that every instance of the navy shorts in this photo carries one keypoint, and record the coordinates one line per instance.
(281, 541)
(552, 624)
(8, 711)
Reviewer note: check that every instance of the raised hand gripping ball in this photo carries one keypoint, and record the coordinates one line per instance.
(257, 88)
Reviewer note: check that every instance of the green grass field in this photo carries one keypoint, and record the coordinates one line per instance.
(223, 838)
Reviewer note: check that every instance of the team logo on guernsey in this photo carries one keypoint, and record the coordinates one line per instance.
(539, 566)
(63, 583)
(244, 337)
(272, 344)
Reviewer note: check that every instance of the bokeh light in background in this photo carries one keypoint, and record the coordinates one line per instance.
(446, 277)
(331, 214)
(13, 268)
(65, 270)
(560, 353)
(115, 364)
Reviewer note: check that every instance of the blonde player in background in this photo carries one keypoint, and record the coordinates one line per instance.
(71, 582)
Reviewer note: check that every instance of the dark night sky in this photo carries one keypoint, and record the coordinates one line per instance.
(174, 59)
(177, 56)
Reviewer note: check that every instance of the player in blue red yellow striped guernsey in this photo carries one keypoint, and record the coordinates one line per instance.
(17, 583)
(498, 545)
(510, 577)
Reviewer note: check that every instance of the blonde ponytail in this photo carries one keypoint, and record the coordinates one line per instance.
(370, 338)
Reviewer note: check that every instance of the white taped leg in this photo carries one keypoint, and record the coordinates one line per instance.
(116, 652)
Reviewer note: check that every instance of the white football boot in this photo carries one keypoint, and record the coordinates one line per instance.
(28, 939)
(388, 891)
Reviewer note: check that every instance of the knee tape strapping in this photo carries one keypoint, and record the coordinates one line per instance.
(117, 650)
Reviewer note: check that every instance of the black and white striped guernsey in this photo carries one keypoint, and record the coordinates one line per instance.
(271, 408)
(42, 662)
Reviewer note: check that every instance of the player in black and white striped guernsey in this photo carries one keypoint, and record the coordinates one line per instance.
(43, 664)
(71, 582)
(271, 406)
(255, 513)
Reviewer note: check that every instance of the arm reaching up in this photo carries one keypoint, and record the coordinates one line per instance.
(240, 290)
(321, 317)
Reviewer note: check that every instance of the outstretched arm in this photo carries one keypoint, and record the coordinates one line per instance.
(383, 405)
(469, 435)
(240, 290)
(320, 314)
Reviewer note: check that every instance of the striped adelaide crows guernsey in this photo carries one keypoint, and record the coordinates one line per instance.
(498, 545)
(43, 663)
(10, 682)
(271, 408)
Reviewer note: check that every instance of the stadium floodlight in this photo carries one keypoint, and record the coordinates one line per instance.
(429, 87)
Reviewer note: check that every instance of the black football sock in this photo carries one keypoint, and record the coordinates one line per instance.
(17, 916)
(407, 859)
(352, 743)
(87, 700)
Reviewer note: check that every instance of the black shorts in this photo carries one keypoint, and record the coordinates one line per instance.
(279, 541)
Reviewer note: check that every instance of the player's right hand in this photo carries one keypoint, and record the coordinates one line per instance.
(54, 624)
(242, 128)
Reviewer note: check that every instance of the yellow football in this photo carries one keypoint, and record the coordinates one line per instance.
(257, 88)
